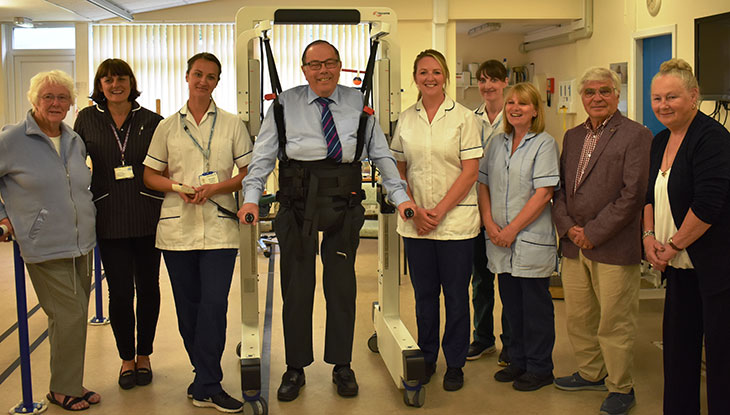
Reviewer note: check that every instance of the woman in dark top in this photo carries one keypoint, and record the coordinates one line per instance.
(686, 229)
(117, 132)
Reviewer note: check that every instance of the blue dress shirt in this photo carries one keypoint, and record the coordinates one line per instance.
(305, 139)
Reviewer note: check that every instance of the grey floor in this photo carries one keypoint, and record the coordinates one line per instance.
(378, 395)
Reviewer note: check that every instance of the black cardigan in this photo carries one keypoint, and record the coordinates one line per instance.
(700, 179)
(124, 208)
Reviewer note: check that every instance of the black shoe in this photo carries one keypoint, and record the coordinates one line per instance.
(453, 379)
(503, 359)
(223, 402)
(430, 370)
(291, 382)
(143, 375)
(477, 350)
(127, 379)
(344, 378)
(532, 381)
(508, 374)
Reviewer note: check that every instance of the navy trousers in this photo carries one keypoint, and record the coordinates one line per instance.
(529, 308)
(688, 316)
(436, 265)
(201, 280)
(482, 298)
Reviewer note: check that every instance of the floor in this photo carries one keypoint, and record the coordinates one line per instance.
(172, 371)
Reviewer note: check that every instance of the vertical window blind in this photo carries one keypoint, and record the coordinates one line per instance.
(158, 54)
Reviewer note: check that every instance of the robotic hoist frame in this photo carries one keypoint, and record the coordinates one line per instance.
(392, 340)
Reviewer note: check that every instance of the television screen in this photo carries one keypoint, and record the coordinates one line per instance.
(712, 56)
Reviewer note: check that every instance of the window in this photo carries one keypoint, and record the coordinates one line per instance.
(44, 38)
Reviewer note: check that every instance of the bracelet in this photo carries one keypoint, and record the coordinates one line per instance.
(671, 243)
(647, 233)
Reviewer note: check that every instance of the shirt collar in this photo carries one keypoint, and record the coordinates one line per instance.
(102, 107)
(32, 128)
(311, 95)
(445, 107)
(211, 108)
(589, 126)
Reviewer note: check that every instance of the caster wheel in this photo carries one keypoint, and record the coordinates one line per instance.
(267, 253)
(238, 350)
(373, 343)
(415, 397)
(257, 407)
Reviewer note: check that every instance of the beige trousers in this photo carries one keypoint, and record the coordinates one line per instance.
(62, 287)
(602, 307)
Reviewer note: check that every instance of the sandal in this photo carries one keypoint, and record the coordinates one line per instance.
(87, 397)
(68, 402)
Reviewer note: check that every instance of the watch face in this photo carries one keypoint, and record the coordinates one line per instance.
(653, 6)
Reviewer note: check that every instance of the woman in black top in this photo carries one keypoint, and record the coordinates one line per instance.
(686, 228)
(117, 132)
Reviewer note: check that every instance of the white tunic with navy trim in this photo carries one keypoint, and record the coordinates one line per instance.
(433, 152)
(185, 226)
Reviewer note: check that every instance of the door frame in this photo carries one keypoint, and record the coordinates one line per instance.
(636, 66)
(13, 90)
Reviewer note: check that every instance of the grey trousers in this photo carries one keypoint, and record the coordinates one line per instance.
(62, 287)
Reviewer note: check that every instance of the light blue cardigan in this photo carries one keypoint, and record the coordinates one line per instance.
(46, 196)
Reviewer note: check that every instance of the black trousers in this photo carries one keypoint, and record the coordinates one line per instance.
(688, 315)
(132, 264)
(297, 262)
(482, 299)
(529, 308)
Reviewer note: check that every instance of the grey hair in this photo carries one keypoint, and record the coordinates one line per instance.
(597, 73)
(54, 77)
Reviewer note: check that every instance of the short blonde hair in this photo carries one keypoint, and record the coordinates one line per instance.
(597, 73)
(682, 70)
(526, 91)
(54, 77)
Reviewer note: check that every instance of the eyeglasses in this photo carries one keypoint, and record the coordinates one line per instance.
(49, 98)
(317, 65)
(605, 92)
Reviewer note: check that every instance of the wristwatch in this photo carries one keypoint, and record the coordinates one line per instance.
(671, 243)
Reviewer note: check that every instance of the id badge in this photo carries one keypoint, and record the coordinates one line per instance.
(123, 172)
(209, 177)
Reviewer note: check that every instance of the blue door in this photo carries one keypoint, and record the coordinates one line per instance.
(655, 51)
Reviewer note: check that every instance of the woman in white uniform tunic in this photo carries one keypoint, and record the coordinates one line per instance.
(199, 147)
(437, 147)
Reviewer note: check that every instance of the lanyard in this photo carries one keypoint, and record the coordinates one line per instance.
(123, 147)
(204, 152)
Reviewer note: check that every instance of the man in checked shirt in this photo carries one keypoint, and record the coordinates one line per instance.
(604, 170)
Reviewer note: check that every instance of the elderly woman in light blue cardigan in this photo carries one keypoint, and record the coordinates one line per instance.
(46, 204)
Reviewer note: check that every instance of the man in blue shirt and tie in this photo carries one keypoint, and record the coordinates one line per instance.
(320, 190)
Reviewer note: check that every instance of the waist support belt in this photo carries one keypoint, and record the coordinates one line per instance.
(320, 186)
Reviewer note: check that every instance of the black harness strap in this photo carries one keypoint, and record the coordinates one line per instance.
(276, 90)
(367, 89)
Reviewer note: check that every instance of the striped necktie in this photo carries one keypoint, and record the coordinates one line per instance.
(334, 148)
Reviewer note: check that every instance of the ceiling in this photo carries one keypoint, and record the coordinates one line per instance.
(78, 10)
(83, 11)
(514, 26)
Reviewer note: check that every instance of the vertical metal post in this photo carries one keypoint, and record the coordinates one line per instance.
(98, 319)
(27, 405)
